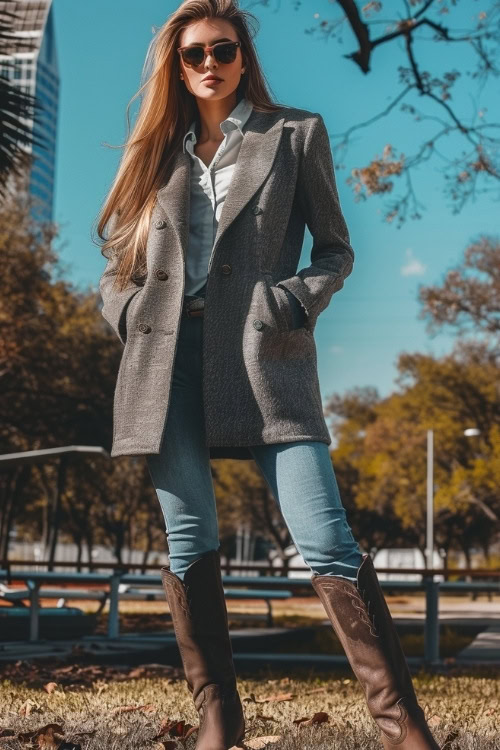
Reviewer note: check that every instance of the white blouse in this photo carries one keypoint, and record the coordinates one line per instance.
(209, 186)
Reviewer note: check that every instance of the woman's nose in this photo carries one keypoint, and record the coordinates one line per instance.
(210, 60)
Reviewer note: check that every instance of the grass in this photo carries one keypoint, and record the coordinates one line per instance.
(102, 707)
(97, 707)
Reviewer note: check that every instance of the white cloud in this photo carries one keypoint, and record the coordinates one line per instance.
(413, 266)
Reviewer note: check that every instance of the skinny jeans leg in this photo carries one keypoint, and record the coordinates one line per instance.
(303, 482)
(181, 472)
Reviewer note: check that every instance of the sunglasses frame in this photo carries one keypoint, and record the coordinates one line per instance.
(206, 51)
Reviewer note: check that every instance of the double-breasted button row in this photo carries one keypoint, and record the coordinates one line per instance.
(144, 328)
(226, 269)
(257, 210)
(258, 324)
(160, 224)
(161, 274)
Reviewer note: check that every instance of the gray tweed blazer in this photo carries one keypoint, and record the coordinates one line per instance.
(260, 372)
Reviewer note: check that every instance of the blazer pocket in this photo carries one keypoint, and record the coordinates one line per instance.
(291, 311)
(297, 314)
(281, 311)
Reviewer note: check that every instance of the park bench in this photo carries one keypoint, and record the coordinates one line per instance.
(266, 595)
(124, 591)
(18, 596)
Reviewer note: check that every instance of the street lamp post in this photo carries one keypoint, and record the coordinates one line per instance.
(430, 500)
(429, 548)
(431, 645)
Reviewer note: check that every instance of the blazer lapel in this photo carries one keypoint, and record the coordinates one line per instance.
(258, 148)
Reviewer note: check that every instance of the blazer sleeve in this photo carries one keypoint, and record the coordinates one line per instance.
(115, 303)
(332, 256)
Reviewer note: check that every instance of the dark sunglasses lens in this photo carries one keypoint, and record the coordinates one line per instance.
(225, 53)
(193, 55)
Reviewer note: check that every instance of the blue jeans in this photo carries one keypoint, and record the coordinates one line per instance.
(300, 475)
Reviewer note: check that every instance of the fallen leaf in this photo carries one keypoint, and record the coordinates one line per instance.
(175, 728)
(49, 736)
(50, 687)
(317, 718)
(434, 721)
(28, 706)
(147, 708)
(257, 743)
(271, 698)
(315, 690)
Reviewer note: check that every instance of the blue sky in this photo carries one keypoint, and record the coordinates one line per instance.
(101, 49)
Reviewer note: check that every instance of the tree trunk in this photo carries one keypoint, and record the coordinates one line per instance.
(89, 542)
(5, 512)
(149, 547)
(119, 540)
(19, 480)
(56, 511)
(79, 548)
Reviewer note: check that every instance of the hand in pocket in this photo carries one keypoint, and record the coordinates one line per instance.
(298, 313)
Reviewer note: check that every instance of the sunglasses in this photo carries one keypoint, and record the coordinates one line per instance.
(224, 52)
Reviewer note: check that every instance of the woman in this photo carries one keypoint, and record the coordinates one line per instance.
(208, 212)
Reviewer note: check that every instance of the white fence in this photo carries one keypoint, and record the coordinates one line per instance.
(67, 552)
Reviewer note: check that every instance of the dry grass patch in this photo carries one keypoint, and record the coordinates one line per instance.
(97, 707)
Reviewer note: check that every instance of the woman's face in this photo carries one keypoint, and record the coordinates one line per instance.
(206, 33)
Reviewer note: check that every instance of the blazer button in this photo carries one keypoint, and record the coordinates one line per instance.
(256, 210)
(144, 328)
(160, 224)
(226, 269)
(258, 324)
(161, 274)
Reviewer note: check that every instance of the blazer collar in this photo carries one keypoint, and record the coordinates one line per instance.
(234, 121)
(258, 148)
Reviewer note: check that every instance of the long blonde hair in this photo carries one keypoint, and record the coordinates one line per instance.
(166, 111)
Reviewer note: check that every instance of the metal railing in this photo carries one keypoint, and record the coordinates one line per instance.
(300, 586)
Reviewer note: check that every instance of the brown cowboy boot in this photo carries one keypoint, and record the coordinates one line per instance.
(199, 615)
(362, 621)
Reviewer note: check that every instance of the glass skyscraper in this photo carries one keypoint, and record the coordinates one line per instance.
(34, 69)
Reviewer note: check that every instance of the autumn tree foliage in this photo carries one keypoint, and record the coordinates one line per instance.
(468, 300)
(58, 366)
(381, 454)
